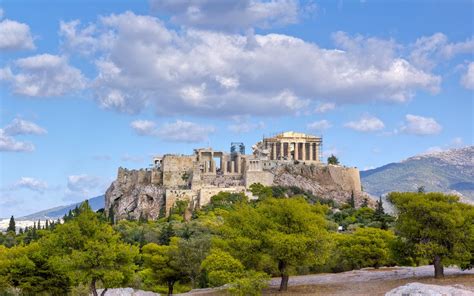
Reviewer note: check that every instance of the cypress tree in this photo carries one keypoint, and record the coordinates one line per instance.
(39, 225)
(11, 225)
(351, 201)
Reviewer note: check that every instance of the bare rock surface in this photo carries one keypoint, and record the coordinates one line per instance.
(126, 292)
(331, 182)
(133, 195)
(368, 274)
(419, 289)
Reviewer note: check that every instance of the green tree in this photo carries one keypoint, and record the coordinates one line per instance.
(365, 247)
(90, 251)
(437, 227)
(11, 225)
(287, 232)
(221, 268)
(351, 200)
(191, 253)
(333, 160)
(161, 263)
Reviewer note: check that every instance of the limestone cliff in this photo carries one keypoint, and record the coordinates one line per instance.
(133, 194)
(138, 193)
(332, 182)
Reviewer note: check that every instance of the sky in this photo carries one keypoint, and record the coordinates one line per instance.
(90, 86)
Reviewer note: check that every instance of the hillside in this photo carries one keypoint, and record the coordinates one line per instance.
(58, 212)
(447, 171)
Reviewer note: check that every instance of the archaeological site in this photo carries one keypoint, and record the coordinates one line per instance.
(285, 159)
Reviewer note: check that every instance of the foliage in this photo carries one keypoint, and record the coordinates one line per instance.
(333, 160)
(365, 247)
(221, 268)
(89, 251)
(11, 225)
(250, 283)
(437, 227)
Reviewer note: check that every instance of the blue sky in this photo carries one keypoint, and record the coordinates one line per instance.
(87, 87)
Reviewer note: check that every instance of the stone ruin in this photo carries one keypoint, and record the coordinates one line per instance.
(287, 159)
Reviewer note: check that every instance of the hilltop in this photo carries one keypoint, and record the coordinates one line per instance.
(450, 171)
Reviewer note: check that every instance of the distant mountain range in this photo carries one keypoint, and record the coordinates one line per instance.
(450, 171)
(96, 203)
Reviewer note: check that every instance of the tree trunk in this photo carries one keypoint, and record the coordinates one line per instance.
(170, 287)
(92, 288)
(438, 266)
(103, 292)
(284, 276)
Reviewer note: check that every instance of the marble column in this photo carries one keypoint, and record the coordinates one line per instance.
(274, 151)
(232, 166)
(288, 151)
(303, 148)
(281, 150)
(238, 164)
(206, 167)
(223, 165)
(311, 151)
(296, 151)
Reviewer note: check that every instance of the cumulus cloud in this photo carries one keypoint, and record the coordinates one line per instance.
(428, 51)
(10, 144)
(419, 125)
(144, 127)
(22, 127)
(31, 184)
(245, 125)
(15, 36)
(178, 131)
(84, 186)
(319, 125)
(467, 80)
(185, 131)
(366, 123)
(325, 107)
(231, 15)
(42, 76)
(210, 73)
(18, 127)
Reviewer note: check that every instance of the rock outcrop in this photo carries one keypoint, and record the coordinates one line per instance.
(420, 289)
(331, 181)
(133, 195)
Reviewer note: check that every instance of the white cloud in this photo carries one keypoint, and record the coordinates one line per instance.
(10, 144)
(418, 125)
(230, 15)
(185, 131)
(244, 125)
(205, 73)
(84, 186)
(319, 125)
(178, 131)
(428, 51)
(144, 127)
(31, 184)
(42, 76)
(15, 36)
(467, 80)
(22, 127)
(366, 123)
(325, 107)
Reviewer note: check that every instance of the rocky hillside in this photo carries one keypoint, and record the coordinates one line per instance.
(448, 171)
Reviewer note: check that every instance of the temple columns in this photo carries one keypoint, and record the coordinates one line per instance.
(274, 151)
(311, 151)
(296, 151)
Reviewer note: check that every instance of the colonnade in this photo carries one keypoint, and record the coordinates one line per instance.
(303, 151)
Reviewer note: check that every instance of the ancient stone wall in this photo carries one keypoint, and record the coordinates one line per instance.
(177, 171)
(262, 177)
(173, 195)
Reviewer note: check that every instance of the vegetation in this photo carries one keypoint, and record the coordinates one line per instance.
(437, 227)
(333, 160)
(235, 242)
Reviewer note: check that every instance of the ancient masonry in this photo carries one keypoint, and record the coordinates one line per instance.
(287, 159)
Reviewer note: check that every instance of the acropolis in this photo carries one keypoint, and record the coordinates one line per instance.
(197, 177)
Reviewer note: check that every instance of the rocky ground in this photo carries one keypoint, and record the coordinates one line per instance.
(366, 282)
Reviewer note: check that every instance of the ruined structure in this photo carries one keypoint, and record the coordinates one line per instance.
(287, 159)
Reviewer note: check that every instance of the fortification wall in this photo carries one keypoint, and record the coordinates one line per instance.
(177, 170)
(205, 194)
(262, 177)
(173, 195)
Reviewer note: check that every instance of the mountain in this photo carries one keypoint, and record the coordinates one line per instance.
(58, 212)
(447, 171)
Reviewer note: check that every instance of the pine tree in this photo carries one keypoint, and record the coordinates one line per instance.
(379, 211)
(351, 201)
(111, 216)
(11, 225)
(46, 224)
(39, 225)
